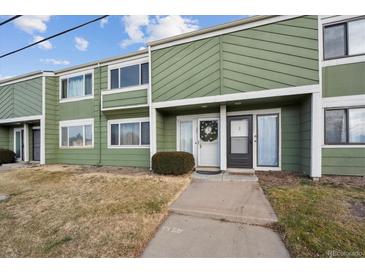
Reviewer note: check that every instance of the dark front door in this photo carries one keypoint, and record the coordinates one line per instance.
(36, 145)
(239, 141)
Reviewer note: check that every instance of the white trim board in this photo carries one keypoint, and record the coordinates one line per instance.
(43, 124)
(224, 31)
(344, 101)
(124, 107)
(20, 119)
(240, 96)
(126, 89)
(343, 61)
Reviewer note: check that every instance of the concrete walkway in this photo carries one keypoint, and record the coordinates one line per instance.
(219, 216)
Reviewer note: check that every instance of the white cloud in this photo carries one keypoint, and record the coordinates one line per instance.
(142, 48)
(31, 23)
(3, 77)
(53, 61)
(141, 28)
(103, 22)
(44, 45)
(81, 43)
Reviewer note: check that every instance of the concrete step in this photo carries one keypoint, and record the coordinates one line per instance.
(225, 177)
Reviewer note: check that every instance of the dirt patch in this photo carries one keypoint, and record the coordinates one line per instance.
(279, 178)
(344, 181)
(357, 208)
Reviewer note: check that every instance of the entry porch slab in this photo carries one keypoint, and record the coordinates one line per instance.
(240, 201)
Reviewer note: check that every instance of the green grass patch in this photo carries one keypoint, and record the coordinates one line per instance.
(318, 220)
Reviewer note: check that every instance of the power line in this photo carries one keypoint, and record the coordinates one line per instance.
(9, 20)
(53, 36)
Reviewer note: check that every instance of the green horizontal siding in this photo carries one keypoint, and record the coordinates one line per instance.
(99, 154)
(343, 80)
(278, 55)
(343, 161)
(134, 157)
(122, 99)
(21, 99)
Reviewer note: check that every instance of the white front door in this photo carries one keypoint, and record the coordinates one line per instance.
(208, 142)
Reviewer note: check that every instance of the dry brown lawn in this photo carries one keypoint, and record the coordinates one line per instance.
(72, 211)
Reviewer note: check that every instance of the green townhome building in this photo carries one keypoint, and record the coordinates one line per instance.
(264, 93)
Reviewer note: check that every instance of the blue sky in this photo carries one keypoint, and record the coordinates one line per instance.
(114, 36)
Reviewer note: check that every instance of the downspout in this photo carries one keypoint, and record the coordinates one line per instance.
(99, 156)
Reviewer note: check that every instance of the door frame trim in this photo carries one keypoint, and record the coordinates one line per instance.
(19, 129)
(250, 135)
(218, 139)
(254, 114)
(34, 129)
(195, 134)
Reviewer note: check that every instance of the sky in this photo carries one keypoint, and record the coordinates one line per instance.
(112, 36)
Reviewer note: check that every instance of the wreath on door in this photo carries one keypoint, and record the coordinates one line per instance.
(209, 130)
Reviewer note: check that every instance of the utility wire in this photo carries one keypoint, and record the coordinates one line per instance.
(9, 20)
(52, 36)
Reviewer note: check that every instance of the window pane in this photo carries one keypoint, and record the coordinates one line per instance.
(18, 144)
(75, 86)
(356, 33)
(64, 136)
(145, 132)
(129, 134)
(88, 135)
(334, 41)
(186, 136)
(64, 89)
(357, 125)
(335, 126)
(88, 84)
(144, 73)
(239, 145)
(114, 134)
(267, 140)
(75, 137)
(129, 76)
(114, 78)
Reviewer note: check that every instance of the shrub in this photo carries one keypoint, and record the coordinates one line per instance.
(175, 163)
(6, 156)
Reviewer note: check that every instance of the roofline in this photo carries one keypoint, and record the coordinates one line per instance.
(210, 29)
(24, 77)
(103, 61)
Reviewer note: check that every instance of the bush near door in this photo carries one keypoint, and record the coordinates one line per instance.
(175, 163)
(6, 156)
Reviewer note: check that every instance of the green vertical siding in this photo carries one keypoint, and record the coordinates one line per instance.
(305, 132)
(344, 80)
(21, 99)
(343, 161)
(291, 144)
(278, 55)
(4, 137)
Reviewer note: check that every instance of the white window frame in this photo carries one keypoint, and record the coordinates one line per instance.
(78, 98)
(123, 65)
(80, 122)
(126, 121)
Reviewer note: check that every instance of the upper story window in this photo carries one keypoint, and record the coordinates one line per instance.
(345, 126)
(128, 76)
(78, 86)
(344, 39)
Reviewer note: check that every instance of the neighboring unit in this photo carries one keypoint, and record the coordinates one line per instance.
(263, 93)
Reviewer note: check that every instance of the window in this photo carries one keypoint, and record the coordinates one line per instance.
(344, 39)
(345, 126)
(128, 76)
(76, 134)
(129, 133)
(268, 140)
(77, 86)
